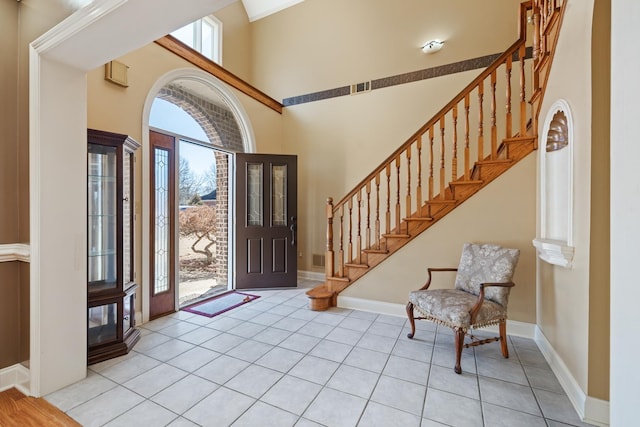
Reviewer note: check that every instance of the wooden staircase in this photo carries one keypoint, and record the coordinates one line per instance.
(470, 142)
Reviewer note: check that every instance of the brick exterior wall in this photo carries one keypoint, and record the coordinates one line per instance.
(222, 129)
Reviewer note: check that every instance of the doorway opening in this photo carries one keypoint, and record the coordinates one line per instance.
(203, 134)
(200, 258)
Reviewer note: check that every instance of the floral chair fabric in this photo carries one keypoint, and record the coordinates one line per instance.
(486, 264)
(480, 297)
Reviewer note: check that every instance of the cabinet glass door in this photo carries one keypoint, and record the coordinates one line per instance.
(102, 218)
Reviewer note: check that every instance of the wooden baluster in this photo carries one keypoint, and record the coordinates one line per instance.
(377, 212)
(341, 250)
(467, 165)
(454, 160)
(388, 213)
(408, 209)
(431, 163)
(419, 186)
(480, 122)
(509, 129)
(328, 267)
(359, 231)
(398, 214)
(534, 42)
(523, 93)
(494, 128)
(442, 157)
(350, 232)
(368, 236)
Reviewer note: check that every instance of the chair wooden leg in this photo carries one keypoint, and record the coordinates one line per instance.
(412, 321)
(459, 342)
(503, 339)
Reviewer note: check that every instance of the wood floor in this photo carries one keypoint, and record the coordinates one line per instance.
(18, 410)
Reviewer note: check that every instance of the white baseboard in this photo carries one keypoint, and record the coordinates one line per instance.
(15, 376)
(311, 275)
(514, 327)
(589, 409)
(15, 252)
(596, 411)
(381, 307)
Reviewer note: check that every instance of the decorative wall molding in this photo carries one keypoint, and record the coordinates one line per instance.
(589, 409)
(15, 376)
(15, 252)
(398, 79)
(554, 252)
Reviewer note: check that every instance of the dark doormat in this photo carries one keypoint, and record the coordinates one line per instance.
(220, 303)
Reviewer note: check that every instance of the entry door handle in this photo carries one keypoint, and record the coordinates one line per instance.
(293, 227)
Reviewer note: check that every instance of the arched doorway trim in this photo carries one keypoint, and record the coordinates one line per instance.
(248, 140)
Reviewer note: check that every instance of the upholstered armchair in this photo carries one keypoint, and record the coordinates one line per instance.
(479, 299)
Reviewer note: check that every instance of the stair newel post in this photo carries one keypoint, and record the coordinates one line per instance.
(328, 269)
(359, 231)
(419, 186)
(408, 209)
(494, 128)
(454, 160)
(398, 214)
(367, 243)
(442, 178)
(480, 121)
(523, 92)
(341, 247)
(350, 231)
(467, 164)
(430, 164)
(377, 231)
(509, 124)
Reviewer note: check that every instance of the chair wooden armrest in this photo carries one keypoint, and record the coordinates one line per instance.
(429, 271)
(476, 307)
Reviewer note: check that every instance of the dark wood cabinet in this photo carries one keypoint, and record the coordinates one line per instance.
(111, 283)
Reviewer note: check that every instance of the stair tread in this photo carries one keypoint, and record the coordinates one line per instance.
(396, 236)
(526, 138)
(469, 182)
(375, 251)
(441, 202)
(339, 279)
(418, 218)
(354, 265)
(494, 161)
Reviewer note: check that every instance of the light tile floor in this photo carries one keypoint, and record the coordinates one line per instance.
(273, 362)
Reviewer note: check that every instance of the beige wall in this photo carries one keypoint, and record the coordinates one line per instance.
(564, 293)
(322, 44)
(20, 23)
(9, 208)
(506, 209)
(236, 39)
(599, 283)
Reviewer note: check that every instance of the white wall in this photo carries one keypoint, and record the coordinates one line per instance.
(625, 212)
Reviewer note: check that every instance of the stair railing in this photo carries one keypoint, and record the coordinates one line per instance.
(413, 182)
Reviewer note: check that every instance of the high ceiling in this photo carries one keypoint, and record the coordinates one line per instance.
(257, 9)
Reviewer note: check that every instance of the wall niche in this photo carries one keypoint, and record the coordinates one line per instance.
(554, 243)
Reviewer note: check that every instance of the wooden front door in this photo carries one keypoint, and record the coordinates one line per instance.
(266, 213)
(162, 298)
